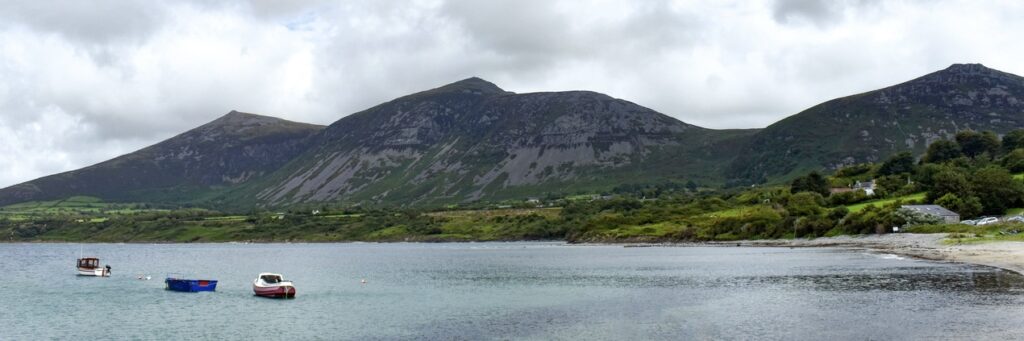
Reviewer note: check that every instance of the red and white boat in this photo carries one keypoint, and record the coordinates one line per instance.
(273, 285)
(91, 267)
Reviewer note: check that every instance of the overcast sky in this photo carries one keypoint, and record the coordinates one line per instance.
(84, 81)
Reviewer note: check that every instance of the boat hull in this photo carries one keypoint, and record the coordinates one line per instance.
(281, 291)
(190, 285)
(93, 272)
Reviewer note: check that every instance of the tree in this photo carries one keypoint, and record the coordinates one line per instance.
(1013, 140)
(854, 170)
(926, 173)
(996, 189)
(941, 151)
(897, 164)
(891, 183)
(1014, 161)
(805, 204)
(967, 207)
(949, 181)
(974, 144)
(692, 186)
(812, 182)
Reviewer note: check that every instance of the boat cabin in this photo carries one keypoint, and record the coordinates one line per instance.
(88, 263)
(271, 278)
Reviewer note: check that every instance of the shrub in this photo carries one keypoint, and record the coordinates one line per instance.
(805, 204)
(848, 198)
(812, 182)
(911, 217)
(871, 219)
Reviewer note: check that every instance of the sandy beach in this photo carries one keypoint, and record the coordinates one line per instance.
(1006, 255)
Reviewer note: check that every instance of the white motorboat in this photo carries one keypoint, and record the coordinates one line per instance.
(273, 285)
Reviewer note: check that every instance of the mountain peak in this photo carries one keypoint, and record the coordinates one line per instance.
(966, 69)
(472, 85)
(969, 71)
(238, 118)
(963, 74)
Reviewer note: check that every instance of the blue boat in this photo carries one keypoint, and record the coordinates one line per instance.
(190, 285)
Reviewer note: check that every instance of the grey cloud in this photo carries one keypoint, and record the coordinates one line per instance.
(823, 13)
(92, 22)
(87, 81)
(817, 11)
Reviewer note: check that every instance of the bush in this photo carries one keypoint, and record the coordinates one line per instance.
(911, 217)
(805, 204)
(853, 170)
(848, 198)
(968, 207)
(812, 182)
(871, 219)
(814, 226)
(760, 222)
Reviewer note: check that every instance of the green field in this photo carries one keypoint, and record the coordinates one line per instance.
(72, 205)
(916, 197)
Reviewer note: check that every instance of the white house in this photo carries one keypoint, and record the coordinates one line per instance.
(868, 187)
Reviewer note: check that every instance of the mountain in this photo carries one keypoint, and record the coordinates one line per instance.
(869, 127)
(229, 151)
(471, 140)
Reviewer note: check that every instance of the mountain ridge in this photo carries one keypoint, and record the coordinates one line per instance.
(869, 126)
(471, 140)
(227, 151)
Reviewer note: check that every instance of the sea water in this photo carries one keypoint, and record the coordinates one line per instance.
(482, 291)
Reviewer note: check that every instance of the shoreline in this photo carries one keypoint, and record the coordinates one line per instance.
(1004, 255)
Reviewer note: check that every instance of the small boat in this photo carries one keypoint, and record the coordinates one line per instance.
(273, 285)
(91, 267)
(190, 285)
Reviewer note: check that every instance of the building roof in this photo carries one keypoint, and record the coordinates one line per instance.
(931, 209)
(865, 184)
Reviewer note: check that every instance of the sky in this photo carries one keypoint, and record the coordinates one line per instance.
(83, 82)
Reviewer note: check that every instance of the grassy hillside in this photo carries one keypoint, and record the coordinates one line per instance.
(871, 126)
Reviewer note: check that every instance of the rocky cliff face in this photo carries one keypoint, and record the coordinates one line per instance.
(470, 139)
(871, 126)
(228, 151)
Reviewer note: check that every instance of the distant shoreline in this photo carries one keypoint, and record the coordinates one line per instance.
(1004, 255)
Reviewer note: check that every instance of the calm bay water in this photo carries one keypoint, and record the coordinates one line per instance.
(505, 291)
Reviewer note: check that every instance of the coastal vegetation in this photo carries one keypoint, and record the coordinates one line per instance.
(975, 174)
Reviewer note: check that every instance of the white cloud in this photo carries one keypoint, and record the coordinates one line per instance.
(84, 83)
